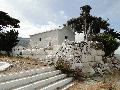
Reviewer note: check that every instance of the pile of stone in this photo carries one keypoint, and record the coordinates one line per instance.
(84, 56)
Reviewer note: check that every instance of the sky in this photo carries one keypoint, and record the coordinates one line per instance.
(42, 15)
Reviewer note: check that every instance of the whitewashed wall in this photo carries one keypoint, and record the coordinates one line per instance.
(66, 31)
(46, 37)
(17, 50)
(37, 48)
(56, 37)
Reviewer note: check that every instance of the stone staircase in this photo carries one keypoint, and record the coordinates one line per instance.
(44, 78)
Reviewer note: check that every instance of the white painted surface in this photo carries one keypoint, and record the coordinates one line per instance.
(4, 66)
(17, 50)
(66, 31)
(46, 37)
(25, 73)
(26, 80)
(41, 83)
(55, 37)
(58, 84)
(68, 85)
(34, 79)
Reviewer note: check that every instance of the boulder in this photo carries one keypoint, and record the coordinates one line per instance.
(4, 66)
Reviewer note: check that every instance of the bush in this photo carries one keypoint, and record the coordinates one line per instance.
(109, 41)
(64, 66)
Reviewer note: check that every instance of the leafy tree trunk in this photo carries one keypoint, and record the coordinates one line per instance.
(91, 27)
(8, 39)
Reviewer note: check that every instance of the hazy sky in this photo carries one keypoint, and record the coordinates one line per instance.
(41, 15)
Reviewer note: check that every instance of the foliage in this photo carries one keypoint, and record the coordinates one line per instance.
(97, 46)
(114, 34)
(62, 65)
(8, 39)
(91, 26)
(7, 21)
(87, 23)
(65, 68)
(110, 43)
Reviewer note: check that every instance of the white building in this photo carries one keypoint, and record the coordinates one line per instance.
(51, 38)
(23, 44)
(36, 45)
(17, 50)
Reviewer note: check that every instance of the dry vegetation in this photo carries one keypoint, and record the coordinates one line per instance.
(20, 64)
(108, 82)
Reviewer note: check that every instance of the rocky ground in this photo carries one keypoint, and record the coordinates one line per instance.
(108, 82)
(20, 64)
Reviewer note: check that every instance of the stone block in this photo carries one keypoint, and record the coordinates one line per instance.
(100, 52)
(93, 52)
(98, 58)
(87, 69)
(77, 65)
(87, 58)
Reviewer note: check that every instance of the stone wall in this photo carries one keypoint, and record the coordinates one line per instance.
(42, 40)
(79, 55)
(17, 50)
(87, 56)
(53, 37)
(66, 31)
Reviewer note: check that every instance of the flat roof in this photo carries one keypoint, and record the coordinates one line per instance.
(49, 31)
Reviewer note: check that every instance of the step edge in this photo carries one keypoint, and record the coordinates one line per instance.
(20, 88)
(29, 76)
(58, 82)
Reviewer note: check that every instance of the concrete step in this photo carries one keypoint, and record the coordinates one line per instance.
(22, 74)
(67, 86)
(58, 84)
(42, 83)
(45, 78)
(27, 80)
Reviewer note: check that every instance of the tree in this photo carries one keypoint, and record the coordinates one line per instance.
(7, 21)
(8, 39)
(91, 27)
(87, 23)
(11, 39)
(109, 41)
(2, 39)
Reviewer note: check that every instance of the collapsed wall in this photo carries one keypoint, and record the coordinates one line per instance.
(87, 56)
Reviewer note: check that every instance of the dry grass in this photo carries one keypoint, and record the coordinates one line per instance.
(20, 64)
(109, 82)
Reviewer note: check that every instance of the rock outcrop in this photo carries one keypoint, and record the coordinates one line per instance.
(87, 56)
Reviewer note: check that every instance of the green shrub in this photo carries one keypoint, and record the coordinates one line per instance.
(109, 41)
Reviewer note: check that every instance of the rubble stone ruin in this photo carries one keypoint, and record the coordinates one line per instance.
(80, 55)
(87, 56)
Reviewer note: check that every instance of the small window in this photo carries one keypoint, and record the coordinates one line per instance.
(66, 37)
(39, 39)
(20, 53)
(49, 43)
